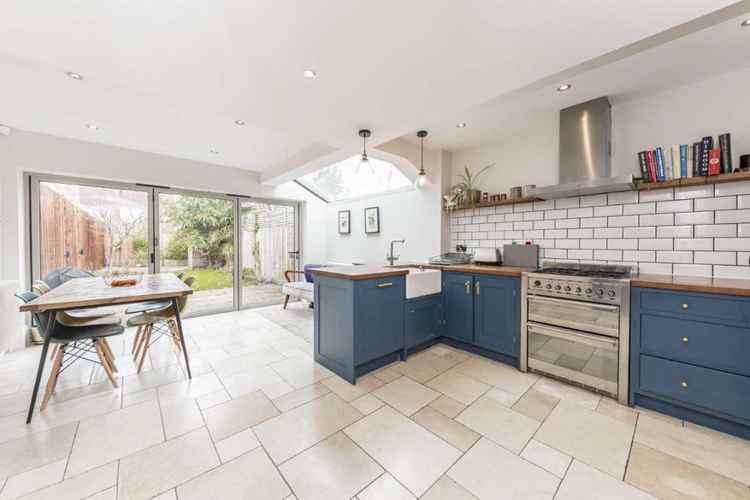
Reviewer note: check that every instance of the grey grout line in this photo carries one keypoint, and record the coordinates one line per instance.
(630, 449)
(562, 479)
(117, 482)
(72, 446)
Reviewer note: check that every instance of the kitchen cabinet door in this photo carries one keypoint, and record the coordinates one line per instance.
(458, 298)
(497, 314)
(378, 318)
(423, 319)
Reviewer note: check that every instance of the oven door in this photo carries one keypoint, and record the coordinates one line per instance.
(585, 316)
(588, 359)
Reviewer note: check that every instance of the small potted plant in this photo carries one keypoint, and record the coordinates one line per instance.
(467, 187)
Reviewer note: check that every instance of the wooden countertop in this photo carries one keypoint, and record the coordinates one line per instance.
(728, 286)
(357, 273)
(479, 269)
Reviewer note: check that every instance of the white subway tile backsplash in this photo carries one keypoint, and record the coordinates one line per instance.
(504, 209)
(487, 211)
(622, 198)
(496, 218)
(724, 258)
(608, 210)
(723, 203)
(533, 216)
(688, 192)
(567, 244)
(622, 244)
(568, 203)
(533, 235)
(594, 200)
(706, 244)
(523, 207)
(717, 231)
(478, 236)
(513, 217)
(581, 212)
(555, 234)
(639, 209)
(608, 232)
(743, 230)
(736, 244)
(731, 188)
(513, 235)
(733, 216)
(639, 232)
(545, 243)
(523, 226)
(504, 226)
(567, 223)
(743, 258)
(608, 254)
(743, 201)
(674, 232)
(657, 220)
(655, 244)
(553, 253)
(580, 254)
(487, 227)
(648, 268)
(692, 269)
(544, 224)
(742, 272)
(544, 205)
(594, 243)
(556, 214)
(675, 257)
(674, 206)
(580, 233)
(487, 244)
(594, 222)
(471, 227)
(656, 195)
(694, 218)
(639, 255)
(623, 221)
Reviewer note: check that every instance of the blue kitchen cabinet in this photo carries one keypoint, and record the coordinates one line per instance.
(458, 303)
(359, 324)
(690, 357)
(497, 321)
(423, 320)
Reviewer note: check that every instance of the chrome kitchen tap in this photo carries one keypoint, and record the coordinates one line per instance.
(392, 258)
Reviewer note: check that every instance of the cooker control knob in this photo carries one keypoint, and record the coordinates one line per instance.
(537, 283)
(611, 293)
(567, 288)
(600, 291)
(557, 287)
(578, 289)
(588, 291)
(549, 286)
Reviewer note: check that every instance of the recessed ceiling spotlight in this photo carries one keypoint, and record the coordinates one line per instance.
(74, 75)
(92, 126)
(239, 122)
(214, 151)
(745, 23)
(310, 74)
(460, 124)
(564, 87)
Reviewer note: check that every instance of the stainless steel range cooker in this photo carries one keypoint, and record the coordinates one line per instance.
(575, 325)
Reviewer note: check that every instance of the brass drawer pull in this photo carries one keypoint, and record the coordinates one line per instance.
(476, 287)
(683, 384)
(684, 306)
(685, 340)
(385, 285)
(468, 287)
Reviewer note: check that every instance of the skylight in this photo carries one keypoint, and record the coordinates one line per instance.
(351, 179)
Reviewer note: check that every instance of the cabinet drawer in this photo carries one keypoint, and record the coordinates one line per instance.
(710, 389)
(727, 309)
(714, 346)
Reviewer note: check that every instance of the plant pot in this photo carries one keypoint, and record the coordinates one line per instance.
(473, 196)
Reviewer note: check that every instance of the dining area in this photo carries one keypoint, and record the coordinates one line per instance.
(77, 316)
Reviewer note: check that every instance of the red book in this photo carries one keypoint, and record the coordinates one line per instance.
(651, 162)
(714, 161)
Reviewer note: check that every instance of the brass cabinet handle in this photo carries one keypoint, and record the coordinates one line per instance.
(385, 285)
(683, 384)
(468, 287)
(685, 340)
(684, 306)
(476, 287)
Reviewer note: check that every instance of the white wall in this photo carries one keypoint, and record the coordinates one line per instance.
(676, 116)
(414, 215)
(30, 152)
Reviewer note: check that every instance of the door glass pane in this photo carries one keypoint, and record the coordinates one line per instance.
(269, 248)
(196, 239)
(96, 229)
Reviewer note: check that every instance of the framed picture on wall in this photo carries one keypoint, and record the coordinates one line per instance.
(372, 220)
(345, 222)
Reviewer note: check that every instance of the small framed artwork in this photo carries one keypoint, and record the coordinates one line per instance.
(345, 222)
(372, 220)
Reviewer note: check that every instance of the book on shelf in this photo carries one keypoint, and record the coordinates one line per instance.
(651, 162)
(643, 166)
(684, 161)
(714, 161)
(675, 159)
(707, 144)
(696, 159)
(660, 170)
(725, 144)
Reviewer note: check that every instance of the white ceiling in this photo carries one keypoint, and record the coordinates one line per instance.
(171, 76)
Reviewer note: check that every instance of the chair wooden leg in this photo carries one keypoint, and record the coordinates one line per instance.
(139, 345)
(286, 301)
(54, 352)
(100, 350)
(145, 341)
(175, 334)
(136, 339)
(53, 375)
(110, 355)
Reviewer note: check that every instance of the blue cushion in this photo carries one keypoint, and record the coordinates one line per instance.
(308, 275)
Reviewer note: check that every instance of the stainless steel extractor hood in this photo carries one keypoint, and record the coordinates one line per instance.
(585, 158)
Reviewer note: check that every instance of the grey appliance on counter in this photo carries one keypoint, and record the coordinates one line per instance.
(451, 259)
(489, 256)
(521, 256)
(575, 325)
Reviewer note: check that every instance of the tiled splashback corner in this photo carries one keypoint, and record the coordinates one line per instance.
(696, 230)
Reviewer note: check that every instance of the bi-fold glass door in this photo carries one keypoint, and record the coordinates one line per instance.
(235, 249)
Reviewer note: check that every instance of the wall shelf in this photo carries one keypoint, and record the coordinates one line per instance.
(639, 186)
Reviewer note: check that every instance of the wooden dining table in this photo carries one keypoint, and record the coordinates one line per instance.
(94, 292)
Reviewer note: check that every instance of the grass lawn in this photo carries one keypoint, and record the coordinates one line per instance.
(209, 279)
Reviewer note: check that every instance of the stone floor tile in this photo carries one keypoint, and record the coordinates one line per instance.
(488, 470)
(295, 430)
(152, 378)
(583, 482)
(406, 395)
(250, 476)
(385, 487)
(298, 397)
(350, 392)
(238, 414)
(613, 409)
(547, 458)
(458, 386)
(588, 436)
(568, 392)
(499, 423)
(367, 404)
(413, 455)
(301, 371)
(35, 450)
(448, 406)
(456, 434)
(446, 488)
(108, 494)
(387, 374)
(535, 404)
(236, 445)
(191, 388)
(212, 399)
(276, 389)
(33, 480)
(247, 381)
(180, 415)
(497, 374)
(333, 468)
(82, 486)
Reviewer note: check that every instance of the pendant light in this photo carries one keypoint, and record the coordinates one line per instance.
(422, 175)
(364, 134)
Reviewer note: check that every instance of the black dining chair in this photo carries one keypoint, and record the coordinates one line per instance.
(74, 343)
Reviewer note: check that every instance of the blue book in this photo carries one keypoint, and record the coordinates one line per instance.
(683, 160)
(660, 173)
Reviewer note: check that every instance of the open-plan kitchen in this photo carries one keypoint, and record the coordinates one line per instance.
(373, 251)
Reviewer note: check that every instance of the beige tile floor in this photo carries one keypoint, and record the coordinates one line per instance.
(260, 419)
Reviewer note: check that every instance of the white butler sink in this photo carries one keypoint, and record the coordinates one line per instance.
(421, 282)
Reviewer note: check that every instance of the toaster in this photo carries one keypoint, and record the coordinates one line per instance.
(486, 256)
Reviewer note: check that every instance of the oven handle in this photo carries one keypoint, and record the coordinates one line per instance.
(597, 307)
(583, 338)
